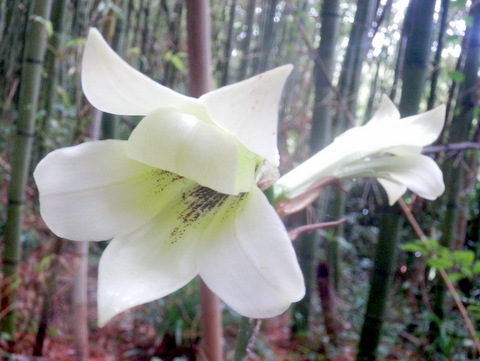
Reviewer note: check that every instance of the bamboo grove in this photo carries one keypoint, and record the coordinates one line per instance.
(389, 283)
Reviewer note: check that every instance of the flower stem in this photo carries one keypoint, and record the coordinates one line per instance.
(199, 55)
(211, 321)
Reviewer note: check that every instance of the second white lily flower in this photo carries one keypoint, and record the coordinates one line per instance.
(387, 148)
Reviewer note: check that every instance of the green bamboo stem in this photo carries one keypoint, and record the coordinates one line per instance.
(199, 55)
(52, 58)
(245, 45)
(417, 56)
(51, 65)
(382, 275)
(454, 175)
(438, 53)
(264, 49)
(357, 48)
(117, 27)
(348, 86)
(415, 67)
(28, 102)
(306, 249)
(227, 50)
(321, 134)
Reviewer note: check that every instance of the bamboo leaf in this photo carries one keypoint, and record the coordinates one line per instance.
(456, 76)
(464, 258)
(440, 263)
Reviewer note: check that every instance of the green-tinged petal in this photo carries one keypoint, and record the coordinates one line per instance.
(249, 110)
(93, 191)
(251, 265)
(144, 265)
(187, 146)
(113, 86)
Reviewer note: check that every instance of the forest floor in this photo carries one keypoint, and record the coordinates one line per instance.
(127, 336)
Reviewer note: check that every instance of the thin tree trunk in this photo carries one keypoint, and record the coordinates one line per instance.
(227, 54)
(52, 61)
(350, 77)
(80, 302)
(199, 54)
(417, 56)
(306, 249)
(267, 34)
(326, 291)
(438, 53)
(51, 65)
(321, 133)
(115, 30)
(49, 291)
(245, 44)
(28, 102)
(174, 19)
(348, 86)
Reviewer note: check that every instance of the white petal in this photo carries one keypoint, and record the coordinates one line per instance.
(418, 173)
(189, 147)
(393, 189)
(113, 86)
(386, 112)
(143, 266)
(252, 266)
(428, 124)
(249, 110)
(93, 191)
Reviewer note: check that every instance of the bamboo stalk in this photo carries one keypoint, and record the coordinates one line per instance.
(28, 103)
(245, 44)
(382, 275)
(459, 131)
(416, 59)
(199, 54)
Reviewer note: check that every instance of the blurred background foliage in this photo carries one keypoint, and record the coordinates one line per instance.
(346, 54)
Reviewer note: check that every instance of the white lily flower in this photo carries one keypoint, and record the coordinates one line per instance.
(387, 148)
(179, 197)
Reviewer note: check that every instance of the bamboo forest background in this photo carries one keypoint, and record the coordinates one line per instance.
(400, 282)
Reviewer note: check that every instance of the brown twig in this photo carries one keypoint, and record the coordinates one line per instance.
(444, 276)
(294, 233)
(451, 147)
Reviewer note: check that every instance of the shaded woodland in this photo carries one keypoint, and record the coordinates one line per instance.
(391, 283)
